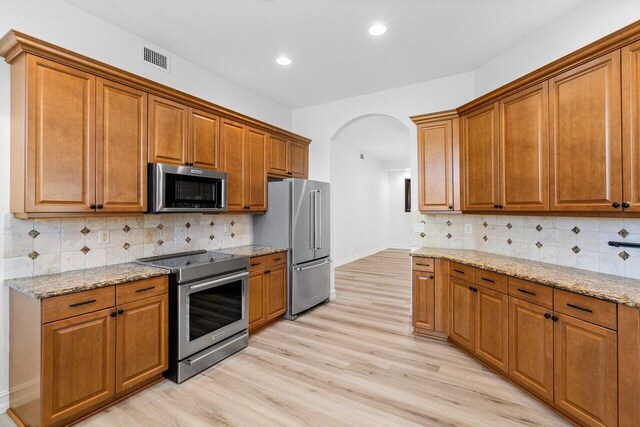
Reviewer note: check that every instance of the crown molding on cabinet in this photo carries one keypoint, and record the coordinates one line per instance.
(14, 44)
(432, 117)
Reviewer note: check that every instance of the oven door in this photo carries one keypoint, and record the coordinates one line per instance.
(186, 189)
(210, 311)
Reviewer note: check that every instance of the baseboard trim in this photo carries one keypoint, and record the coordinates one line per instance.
(4, 401)
(333, 295)
(347, 260)
(398, 246)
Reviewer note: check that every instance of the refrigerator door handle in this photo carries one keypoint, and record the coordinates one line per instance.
(312, 219)
(319, 220)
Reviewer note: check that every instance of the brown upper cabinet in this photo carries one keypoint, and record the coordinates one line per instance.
(631, 126)
(524, 150)
(243, 151)
(287, 158)
(83, 148)
(180, 135)
(586, 167)
(438, 162)
(480, 150)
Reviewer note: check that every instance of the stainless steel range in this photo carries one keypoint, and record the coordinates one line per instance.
(208, 309)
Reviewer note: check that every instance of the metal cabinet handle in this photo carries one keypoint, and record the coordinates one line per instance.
(554, 318)
(92, 206)
(458, 271)
(423, 264)
(577, 307)
(113, 314)
(121, 311)
(524, 291)
(487, 280)
(547, 316)
(78, 304)
(148, 288)
(626, 205)
(451, 207)
(277, 259)
(255, 264)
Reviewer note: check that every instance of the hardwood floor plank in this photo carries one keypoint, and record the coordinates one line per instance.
(352, 362)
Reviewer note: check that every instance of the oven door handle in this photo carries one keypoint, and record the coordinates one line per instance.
(219, 281)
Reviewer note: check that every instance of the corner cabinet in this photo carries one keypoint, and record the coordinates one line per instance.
(75, 354)
(287, 158)
(438, 162)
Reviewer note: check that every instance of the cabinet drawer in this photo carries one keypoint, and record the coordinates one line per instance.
(128, 292)
(491, 280)
(532, 292)
(462, 271)
(258, 263)
(64, 306)
(423, 264)
(600, 312)
(276, 259)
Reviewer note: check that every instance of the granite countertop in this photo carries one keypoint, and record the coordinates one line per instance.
(52, 285)
(604, 286)
(252, 250)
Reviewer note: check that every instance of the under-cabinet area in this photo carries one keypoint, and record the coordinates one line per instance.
(570, 345)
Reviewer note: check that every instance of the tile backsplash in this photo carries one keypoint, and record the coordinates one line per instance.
(570, 241)
(44, 246)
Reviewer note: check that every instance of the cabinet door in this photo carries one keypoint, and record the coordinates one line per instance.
(255, 178)
(276, 291)
(480, 145)
(492, 327)
(278, 156)
(524, 150)
(586, 171)
(257, 306)
(586, 371)
(435, 166)
(142, 348)
(232, 152)
(423, 300)
(61, 174)
(531, 347)
(631, 125)
(168, 124)
(462, 312)
(78, 365)
(121, 148)
(299, 160)
(204, 143)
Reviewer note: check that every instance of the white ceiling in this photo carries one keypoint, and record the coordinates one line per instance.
(378, 136)
(333, 55)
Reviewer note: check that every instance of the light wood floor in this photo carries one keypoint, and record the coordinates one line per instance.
(351, 362)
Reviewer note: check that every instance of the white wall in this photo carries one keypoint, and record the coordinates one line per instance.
(399, 220)
(587, 23)
(62, 24)
(359, 201)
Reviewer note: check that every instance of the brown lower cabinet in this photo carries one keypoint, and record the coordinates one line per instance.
(75, 354)
(267, 290)
(578, 354)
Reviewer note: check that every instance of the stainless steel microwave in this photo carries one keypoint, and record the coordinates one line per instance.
(186, 189)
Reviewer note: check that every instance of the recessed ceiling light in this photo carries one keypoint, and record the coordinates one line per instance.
(283, 60)
(377, 29)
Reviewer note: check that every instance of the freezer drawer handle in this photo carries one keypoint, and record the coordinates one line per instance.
(312, 266)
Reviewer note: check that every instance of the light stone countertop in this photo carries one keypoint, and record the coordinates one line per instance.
(599, 285)
(52, 285)
(252, 250)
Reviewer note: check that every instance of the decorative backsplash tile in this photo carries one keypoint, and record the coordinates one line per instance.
(35, 247)
(570, 241)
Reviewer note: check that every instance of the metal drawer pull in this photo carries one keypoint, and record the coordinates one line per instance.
(423, 265)
(524, 291)
(277, 259)
(488, 280)
(425, 278)
(458, 271)
(313, 266)
(197, 359)
(77, 304)
(145, 289)
(255, 264)
(577, 307)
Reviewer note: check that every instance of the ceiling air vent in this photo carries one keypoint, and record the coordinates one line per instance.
(155, 58)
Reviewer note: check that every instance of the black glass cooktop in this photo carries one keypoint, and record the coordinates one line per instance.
(186, 259)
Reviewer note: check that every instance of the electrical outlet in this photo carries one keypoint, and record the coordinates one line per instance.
(103, 237)
(468, 229)
(418, 227)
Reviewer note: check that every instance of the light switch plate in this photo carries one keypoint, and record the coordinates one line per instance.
(468, 229)
(418, 227)
(103, 237)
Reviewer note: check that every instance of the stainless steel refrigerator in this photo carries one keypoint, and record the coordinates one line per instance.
(298, 219)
